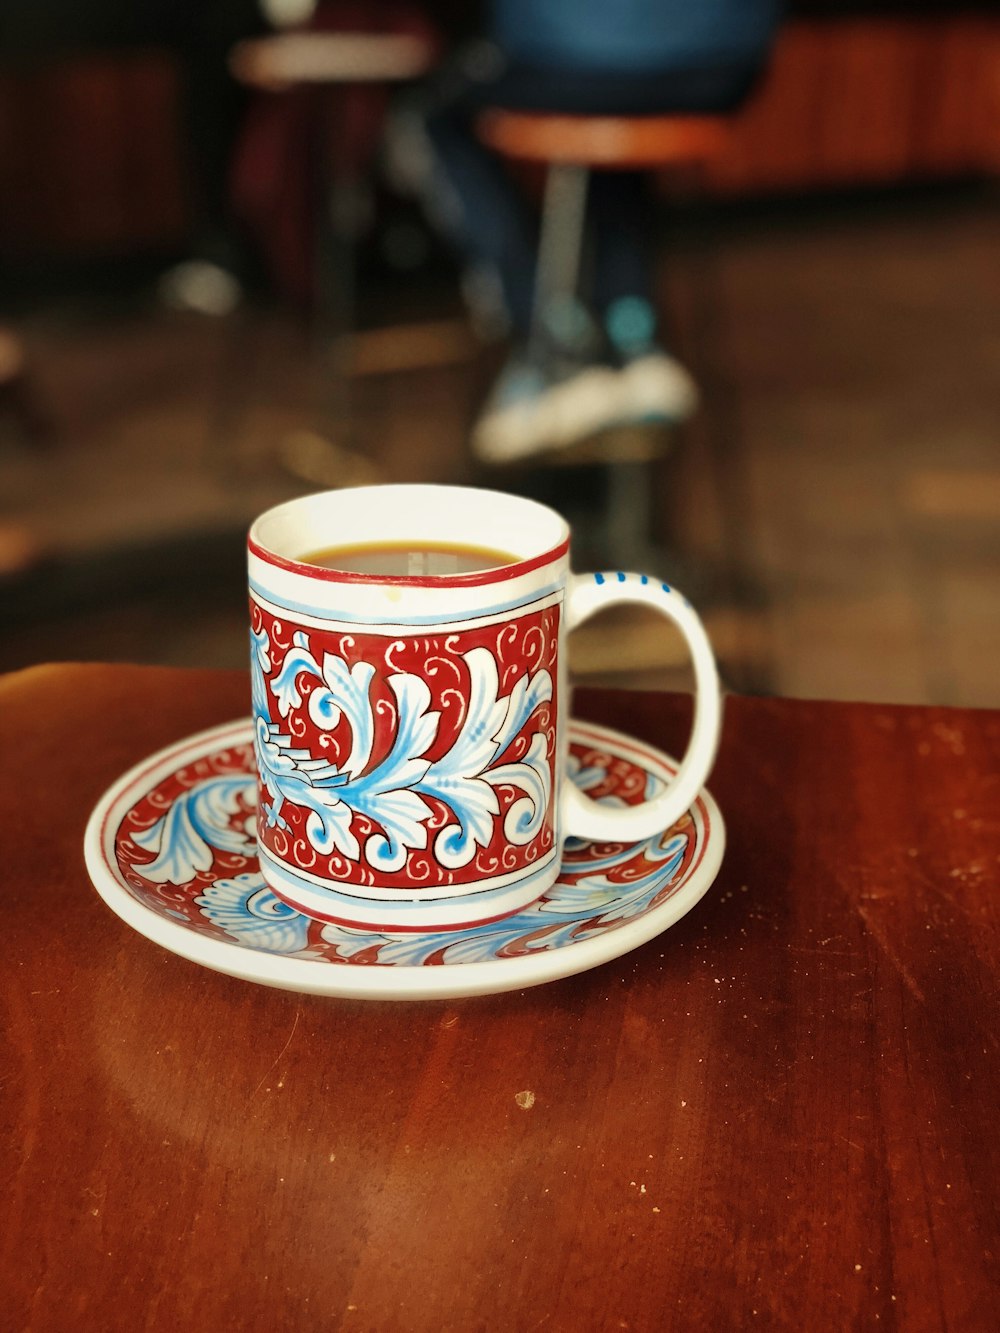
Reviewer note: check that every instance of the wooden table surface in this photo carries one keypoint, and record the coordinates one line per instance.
(783, 1113)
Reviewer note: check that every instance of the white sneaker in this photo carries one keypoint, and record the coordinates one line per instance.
(656, 387)
(528, 414)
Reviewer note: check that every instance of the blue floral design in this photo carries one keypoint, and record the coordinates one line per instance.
(393, 795)
(198, 821)
(572, 909)
(245, 908)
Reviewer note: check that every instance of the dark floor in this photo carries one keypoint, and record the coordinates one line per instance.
(834, 508)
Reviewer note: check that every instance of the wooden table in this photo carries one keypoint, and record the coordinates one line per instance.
(781, 1114)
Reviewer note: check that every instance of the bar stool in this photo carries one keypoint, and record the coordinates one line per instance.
(570, 147)
(328, 64)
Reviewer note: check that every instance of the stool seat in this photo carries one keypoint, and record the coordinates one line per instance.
(609, 142)
(295, 58)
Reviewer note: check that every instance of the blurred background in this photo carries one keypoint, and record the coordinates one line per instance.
(225, 280)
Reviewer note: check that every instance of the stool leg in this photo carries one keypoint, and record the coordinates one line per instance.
(560, 244)
(335, 268)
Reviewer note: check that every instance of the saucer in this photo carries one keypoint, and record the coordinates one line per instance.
(171, 848)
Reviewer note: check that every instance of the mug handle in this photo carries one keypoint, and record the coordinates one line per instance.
(583, 817)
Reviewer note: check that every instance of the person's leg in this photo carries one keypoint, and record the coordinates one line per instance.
(467, 192)
(477, 204)
(597, 362)
(562, 380)
(653, 385)
(621, 216)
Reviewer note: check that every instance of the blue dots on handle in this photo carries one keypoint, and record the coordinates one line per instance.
(622, 577)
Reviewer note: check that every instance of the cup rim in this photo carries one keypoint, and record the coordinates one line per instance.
(474, 578)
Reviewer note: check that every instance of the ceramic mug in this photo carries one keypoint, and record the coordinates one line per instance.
(411, 731)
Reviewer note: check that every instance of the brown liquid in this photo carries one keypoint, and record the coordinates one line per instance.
(395, 559)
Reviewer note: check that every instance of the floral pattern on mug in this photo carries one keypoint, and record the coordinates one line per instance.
(422, 758)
